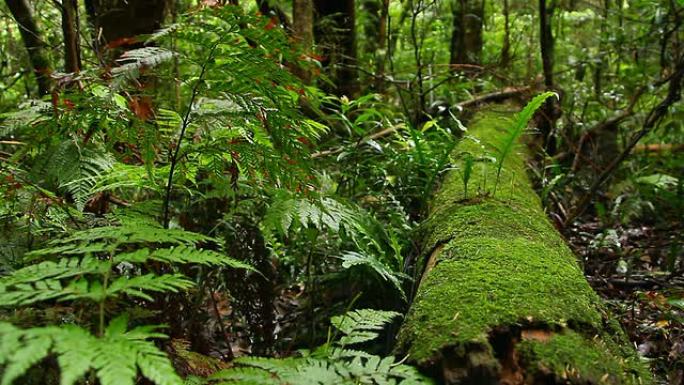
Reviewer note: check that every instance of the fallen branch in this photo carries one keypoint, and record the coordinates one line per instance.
(492, 97)
(498, 96)
(659, 148)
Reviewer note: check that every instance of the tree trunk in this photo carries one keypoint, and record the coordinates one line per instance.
(502, 299)
(336, 32)
(117, 23)
(302, 28)
(70, 32)
(546, 121)
(33, 41)
(506, 47)
(546, 40)
(466, 35)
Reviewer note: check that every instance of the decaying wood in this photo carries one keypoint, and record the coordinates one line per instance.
(502, 299)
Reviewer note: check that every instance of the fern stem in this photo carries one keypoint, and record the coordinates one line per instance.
(309, 285)
(105, 283)
(181, 135)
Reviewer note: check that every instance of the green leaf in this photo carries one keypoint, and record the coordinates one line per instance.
(514, 133)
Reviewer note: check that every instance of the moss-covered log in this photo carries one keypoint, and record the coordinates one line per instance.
(502, 299)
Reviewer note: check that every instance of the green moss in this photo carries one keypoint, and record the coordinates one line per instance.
(501, 263)
(573, 356)
(481, 282)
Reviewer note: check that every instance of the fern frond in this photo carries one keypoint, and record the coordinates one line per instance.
(77, 169)
(183, 255)
(135, 234)
(521, 121)
(362, 325)
(115, 357)
(352, 258)
(137, 286)
(131, 62)
(19, 351)
(371, 370)
(27, 294)
(64, 268)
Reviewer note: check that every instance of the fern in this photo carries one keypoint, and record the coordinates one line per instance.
(330, 365)
(182, 255)
(521, 121)
(362, 325)
(133, 61)
(72, 278)
(77, 169)
(371, 370)
(351, 259)
(114, 358)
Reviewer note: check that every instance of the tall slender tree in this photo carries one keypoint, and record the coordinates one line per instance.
(70, 32)
(302, 28)
(546, 10)
(551, 110)
(466, 35)
(33, 41)
(336, 33)
(506, 47)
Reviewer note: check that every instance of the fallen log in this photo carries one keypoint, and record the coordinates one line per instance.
(502, 299)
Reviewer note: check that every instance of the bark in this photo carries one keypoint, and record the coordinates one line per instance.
(466, 35)
(117, 23)
(506, 48)
(546, 120)
(546, 40)
(336, 33)
(33, 41)
(70, 32)
(302, 28)
(502, 299)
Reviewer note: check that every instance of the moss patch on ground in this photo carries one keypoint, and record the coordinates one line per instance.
(500, 262)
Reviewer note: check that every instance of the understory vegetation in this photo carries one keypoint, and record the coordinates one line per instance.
(224, 192)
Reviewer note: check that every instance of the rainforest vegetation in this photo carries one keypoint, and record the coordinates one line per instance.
(341, 192)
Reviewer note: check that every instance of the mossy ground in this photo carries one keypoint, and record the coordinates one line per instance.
(501, 263)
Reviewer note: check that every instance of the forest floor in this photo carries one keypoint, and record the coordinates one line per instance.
(628, 267)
